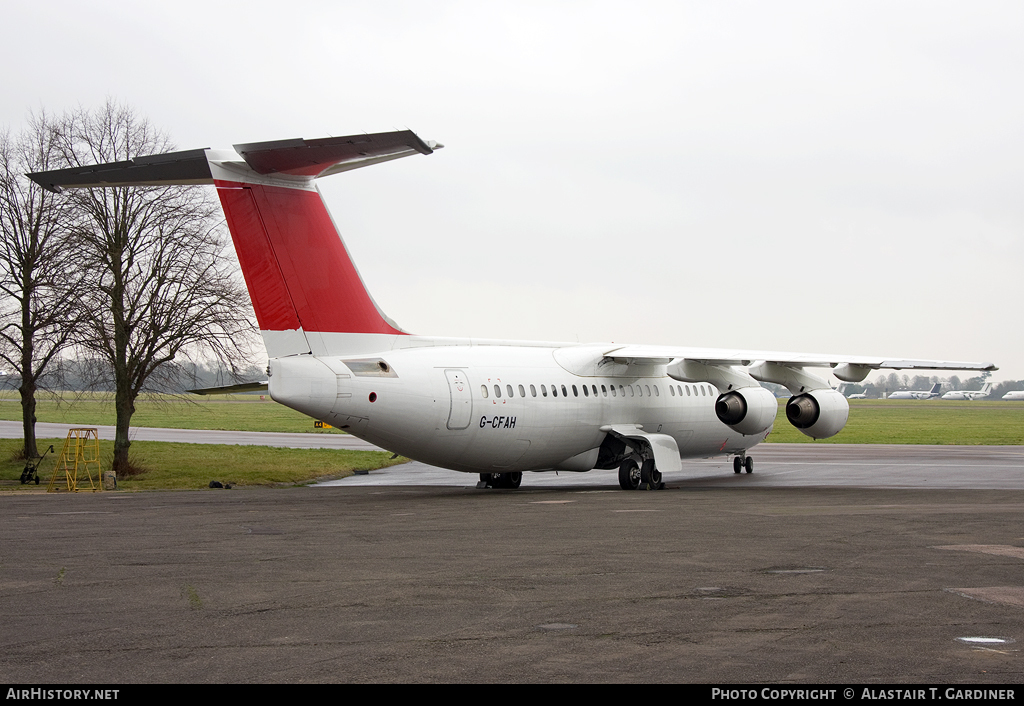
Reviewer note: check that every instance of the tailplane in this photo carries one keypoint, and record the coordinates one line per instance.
(305, 289)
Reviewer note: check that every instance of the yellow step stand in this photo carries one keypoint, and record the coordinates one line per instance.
(79, 457)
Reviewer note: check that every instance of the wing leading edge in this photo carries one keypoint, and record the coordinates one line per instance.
(732, 369)
(725, 356)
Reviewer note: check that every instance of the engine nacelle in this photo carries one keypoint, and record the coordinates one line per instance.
(818, 413)
(748, 410)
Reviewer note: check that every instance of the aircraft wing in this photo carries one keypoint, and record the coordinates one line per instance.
(729, 356)
(231, 389)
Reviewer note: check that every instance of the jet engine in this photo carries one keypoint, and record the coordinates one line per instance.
(748, 410)
(818, 413)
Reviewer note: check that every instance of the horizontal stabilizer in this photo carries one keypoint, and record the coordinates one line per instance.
(188, 167)
(312, 158)
(299, 160)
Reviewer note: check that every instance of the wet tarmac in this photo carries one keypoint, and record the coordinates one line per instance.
(827, 564)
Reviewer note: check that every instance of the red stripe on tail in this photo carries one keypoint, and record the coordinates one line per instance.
(295, 264)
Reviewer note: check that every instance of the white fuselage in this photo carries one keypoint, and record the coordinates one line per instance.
(480, 408)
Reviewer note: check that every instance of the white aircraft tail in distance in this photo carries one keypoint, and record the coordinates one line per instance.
(984, 392)
(498, 408)
(917, 394)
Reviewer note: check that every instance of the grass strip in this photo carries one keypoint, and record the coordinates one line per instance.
(222, 413)
(919, 422)
(172, 466)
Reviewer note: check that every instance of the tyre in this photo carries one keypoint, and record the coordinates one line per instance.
(629, 475)
(650, 476)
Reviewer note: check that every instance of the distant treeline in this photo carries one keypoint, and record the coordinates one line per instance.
(94, 376)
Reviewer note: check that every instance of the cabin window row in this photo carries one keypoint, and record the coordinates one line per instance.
(637, 390)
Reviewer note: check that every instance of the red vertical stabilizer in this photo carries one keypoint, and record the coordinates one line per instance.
(296, 267)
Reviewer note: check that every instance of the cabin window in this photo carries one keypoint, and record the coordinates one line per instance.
(672, 390)
(631, 393)
(544, 390)
(565, 393)
(554, 391)
(647, 389)
(483, 391)
(680, 388)
(604, 391)
(533, 391)
(508, 388)
(575, 392)
(687, 390)
(586, 392)
(497, 390)
(656, 392)
(622, 391)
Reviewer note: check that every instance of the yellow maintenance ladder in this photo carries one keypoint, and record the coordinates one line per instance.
(81, 454)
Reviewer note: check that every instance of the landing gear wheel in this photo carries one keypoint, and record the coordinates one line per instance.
(513, 480)
(749, 464)
(650, 476)
(629, 475)
(737, 464)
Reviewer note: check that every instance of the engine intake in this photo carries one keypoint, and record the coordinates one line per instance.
(819, 413)
(748, 410)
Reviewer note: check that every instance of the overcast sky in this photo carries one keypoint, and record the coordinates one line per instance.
(802, 176)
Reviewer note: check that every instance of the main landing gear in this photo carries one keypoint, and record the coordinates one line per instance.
(645, 475)
(742, 463)
(500, 480)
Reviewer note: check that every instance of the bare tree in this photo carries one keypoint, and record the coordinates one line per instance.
(161, 291)
(39, 273)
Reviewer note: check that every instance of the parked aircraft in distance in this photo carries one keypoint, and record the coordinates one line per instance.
(1014, 395)
(916, 394)
(492, 407)
(985, 391)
